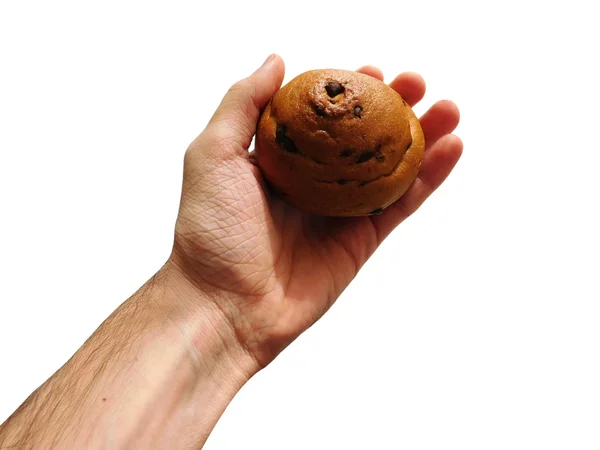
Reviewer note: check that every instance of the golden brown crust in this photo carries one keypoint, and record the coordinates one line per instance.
(339, 143)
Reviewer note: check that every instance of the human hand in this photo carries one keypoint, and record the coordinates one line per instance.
(269, 269)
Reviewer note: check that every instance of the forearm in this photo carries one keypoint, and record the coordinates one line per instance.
(158, 373)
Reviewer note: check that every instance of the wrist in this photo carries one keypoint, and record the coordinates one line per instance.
(187, 367)
(205, 330)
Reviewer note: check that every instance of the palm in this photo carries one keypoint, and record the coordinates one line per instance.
(285, 268)
(295, 263)
(316, 260)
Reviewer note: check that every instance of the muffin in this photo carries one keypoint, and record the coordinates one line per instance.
(339, 143)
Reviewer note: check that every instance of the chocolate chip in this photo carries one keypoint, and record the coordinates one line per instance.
(334, 88)
(285, 141)
(276, 191)
(376, 212)
(365, 157)
(346, 153)
(357, 111)
(320, 111)
(341, 181)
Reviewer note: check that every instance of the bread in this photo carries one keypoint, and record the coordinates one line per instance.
(339, 143)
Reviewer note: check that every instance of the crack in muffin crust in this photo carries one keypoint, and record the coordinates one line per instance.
(365, 182)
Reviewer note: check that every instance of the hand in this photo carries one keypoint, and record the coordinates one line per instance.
(273, 270)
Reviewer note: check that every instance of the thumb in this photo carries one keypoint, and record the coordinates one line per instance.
(237, 116)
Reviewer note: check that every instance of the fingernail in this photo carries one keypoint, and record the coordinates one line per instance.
(267, 61)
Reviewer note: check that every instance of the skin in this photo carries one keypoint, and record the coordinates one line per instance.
(247, 275)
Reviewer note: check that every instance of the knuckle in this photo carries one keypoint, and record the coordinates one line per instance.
(241, 86)
(219, 139)
(241, 95)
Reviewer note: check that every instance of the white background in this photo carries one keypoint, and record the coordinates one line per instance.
(476, 326)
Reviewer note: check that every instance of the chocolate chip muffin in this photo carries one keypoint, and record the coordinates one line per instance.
(339, 143)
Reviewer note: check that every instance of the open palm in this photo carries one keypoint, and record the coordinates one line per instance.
(277, 270)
